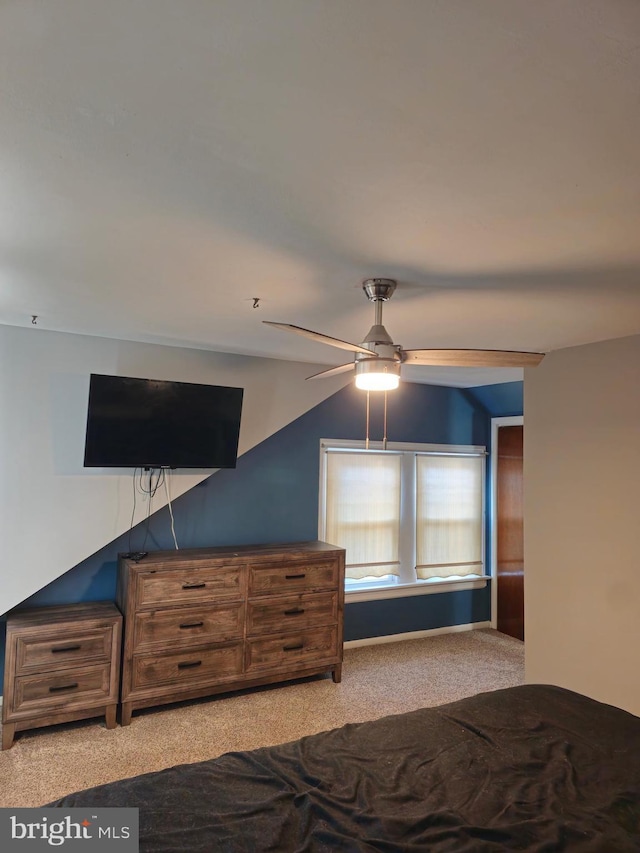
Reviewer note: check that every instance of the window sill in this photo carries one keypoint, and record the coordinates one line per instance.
(381, 593)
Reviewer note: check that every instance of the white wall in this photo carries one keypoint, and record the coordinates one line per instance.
(582, 521)
(53, 512)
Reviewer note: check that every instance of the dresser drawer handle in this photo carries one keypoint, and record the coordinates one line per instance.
(295, 648)
(192, 625)
(296, 611)
(295, 577)
(64, 687)
(59, 649)
(193, 585)
(189, 664)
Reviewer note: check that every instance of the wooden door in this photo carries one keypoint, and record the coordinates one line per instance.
(510, 540)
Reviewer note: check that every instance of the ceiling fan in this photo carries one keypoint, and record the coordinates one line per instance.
(378, 360)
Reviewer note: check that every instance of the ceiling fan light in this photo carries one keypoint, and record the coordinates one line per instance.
(377, 374)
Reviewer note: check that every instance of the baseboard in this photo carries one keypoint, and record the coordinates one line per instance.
(416, 635)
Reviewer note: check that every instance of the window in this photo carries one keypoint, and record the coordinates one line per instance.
(449, 515)
(408, 515)
(363, 510)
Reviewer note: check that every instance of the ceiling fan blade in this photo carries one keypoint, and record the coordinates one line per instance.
(322, 339)
(333, 371)
(471, 357)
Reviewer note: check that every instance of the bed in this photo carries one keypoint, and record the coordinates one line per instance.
(534, 768)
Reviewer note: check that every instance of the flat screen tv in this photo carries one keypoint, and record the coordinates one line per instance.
(145, 423)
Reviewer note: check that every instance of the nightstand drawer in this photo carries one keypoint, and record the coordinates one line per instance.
(265, 580)
(189, 625)
(292, 612)
(56, 651)
(188, 666)
(292, 650)
(189, 585)
(79, 685)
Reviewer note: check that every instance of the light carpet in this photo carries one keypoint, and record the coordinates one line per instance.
(389, 678)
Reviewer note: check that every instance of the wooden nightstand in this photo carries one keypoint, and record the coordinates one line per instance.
(62, 663)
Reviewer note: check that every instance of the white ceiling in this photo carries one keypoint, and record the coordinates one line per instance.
(162, 163)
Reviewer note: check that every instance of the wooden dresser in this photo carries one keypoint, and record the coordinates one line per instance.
(62, 664)
(209, 620)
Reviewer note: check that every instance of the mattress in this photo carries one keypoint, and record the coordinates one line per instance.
(534, 768)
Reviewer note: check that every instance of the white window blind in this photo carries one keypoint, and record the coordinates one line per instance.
(407, 516)
(363, 510)
(448, 516)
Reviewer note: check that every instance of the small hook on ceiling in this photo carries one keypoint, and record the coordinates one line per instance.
(256, 302)
(34, 319)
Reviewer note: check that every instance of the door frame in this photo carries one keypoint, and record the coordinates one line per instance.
(496, 423)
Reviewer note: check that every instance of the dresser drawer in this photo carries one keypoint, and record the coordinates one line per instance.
(291, 612)
(80, 686)
(189, 625)
(264, 580)
(188, 584)
(294, 649)
(188, 666)
(56, 651)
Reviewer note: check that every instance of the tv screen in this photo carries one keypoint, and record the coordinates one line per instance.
(145, 423)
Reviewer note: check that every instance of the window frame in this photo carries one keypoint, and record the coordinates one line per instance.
(403, 587)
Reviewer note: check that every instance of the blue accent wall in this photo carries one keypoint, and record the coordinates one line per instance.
(413, 613)
(272, 496)
(501, 401)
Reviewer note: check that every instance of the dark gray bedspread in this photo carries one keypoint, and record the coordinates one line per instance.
(534, 768)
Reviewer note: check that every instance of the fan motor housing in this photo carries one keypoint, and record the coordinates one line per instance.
(379, 349)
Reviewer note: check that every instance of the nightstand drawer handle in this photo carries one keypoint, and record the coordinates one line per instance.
(59, 649)
(295, 577)
(64, 687)
(193, 585)
(189, 664)
(192, 625)
(296, 611)
(295, 648)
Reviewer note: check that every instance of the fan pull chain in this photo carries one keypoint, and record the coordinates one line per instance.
(366, 443)
(384, 437)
